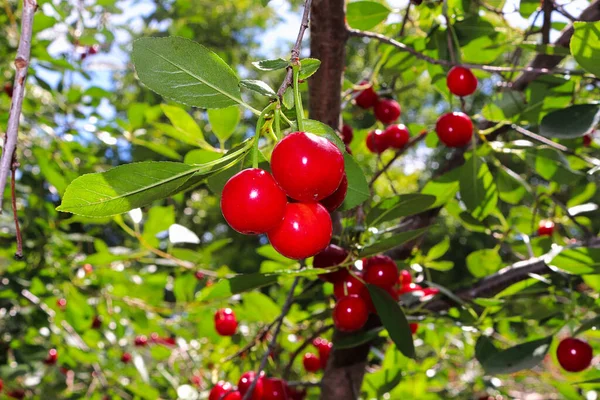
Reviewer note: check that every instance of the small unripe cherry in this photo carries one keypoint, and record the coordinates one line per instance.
(311, 362)
(306, 230)
(396, 136)
(454, 129)
(252, 202)
(546, 228)
(367, 97)
(461, 81)
(246, 381)
(381, 271)
(126, 358)
(61, 303)
(376, 142)
(331, 256)
(217, 392)
(350, 313)
(347, 134)
(306, 166)
(387, 110)
(334, 200)
(574, 355)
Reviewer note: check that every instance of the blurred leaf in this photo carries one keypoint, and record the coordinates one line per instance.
(224, 121)
(477, 188)
(484, 262)
(444, 188)
(439, 249)
(383, 245)
(588, 324)
(585, 46)
(399, 206)
(484, 349)
(365, 15)
(186, 127)
(259, 87)
(228, 287)
(578, 261)
(159, 219)
(517, 358)
(354, 340)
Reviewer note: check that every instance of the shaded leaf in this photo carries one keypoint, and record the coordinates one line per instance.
(355, 340)
(399, 206)
(477, 187)
(393, 241)
(570, 122)
(358, 188)
(517, 358)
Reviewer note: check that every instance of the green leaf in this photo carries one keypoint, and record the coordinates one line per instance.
(358, 188)
(549, 49)
(484, 349)
(224, 121)
(186, 127)
(578, 261)
(271, 65)
(439, 249)
(585, 46)
(365, 15)
(321, 129)
(511, 187)
(393, 320)
(398, 207)
(570, 122)
(477, 188)
(123, 188)
(201, 156)
(389, 243)
(517, 358)
(259, 87)
(350, 341)
(242, 283)
(588, 324)
(444, 188)
(484, 262)
(308, 66)
(439, 265)
(157, 148)
(159, 219)
(288, 98)
(185, 71)
(50, 169)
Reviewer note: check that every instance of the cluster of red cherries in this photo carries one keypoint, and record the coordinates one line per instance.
(354, 301)
(292, 205)
(313, 362)
(386, 111)
(264, 389)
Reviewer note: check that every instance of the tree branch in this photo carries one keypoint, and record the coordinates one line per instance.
(22, 65)
(548, 7)
(13, 196)
(287, 81)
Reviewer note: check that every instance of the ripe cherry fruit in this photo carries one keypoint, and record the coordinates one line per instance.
(52, 357)
(574, 355)
(408, 288)
(350, 313)
(97, 322)
(587, 140)
(367, 97)
(196, 380)
(347, 134)
(324, 347)
(381, 271)
(454, 129)
(140, 341)
(334, 200)
(414, 328)
(330, 257)
(461, 81)
(405, 277)
(387, 110)
(235, 395)
(275, 389)
(311, 362)
(245, 383)
(225, 322)
(217, 392)
(376, 142)
(396, 136)
(305, 230)
(61, 303)
(126, 358)
(546, 228)
(252, 202)
(347, 286)
(306, 166)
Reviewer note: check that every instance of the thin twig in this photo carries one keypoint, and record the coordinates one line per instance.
(256, 340)
(279, 322)
(13, 196)
(413, 141)
(586, 232)
(446, 63)
(304, 345)
(405, 19)
(287, 81)
(548, 7)
(22, 65)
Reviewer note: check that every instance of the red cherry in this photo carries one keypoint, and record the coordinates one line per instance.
(52, 357)
(574, 355)
(88, 268)
(61, 303)
(414, 328)
(396, 136)
(546, 228)
(376, 142)
(387, 110)
(196, 380)
(381, 271)
(8, 89)
(245, 382)
(347, 134)
(199, 275)
(126, 358)
(409, 287)
(324, 351)
(334, 200)
(219, 390)
(16, 394)
(97, 322)
(311, 362)
(429, 293)
(306, 166)
(405, 277)
(274, 389)
(140, 341)
(252, 202)
(169, 341)
(236, 395)
(225, 322)
(306, 230)
(332, 255)
(1, 385)
(367, 97)
(461, 81)
(454, 129)
(348, 286)
(350, 313)
(93, 49)
(587, 140)
(296, 394)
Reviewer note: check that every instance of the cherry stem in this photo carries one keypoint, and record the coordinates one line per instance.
(298, 98)
(259, 126)
(277, 121)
